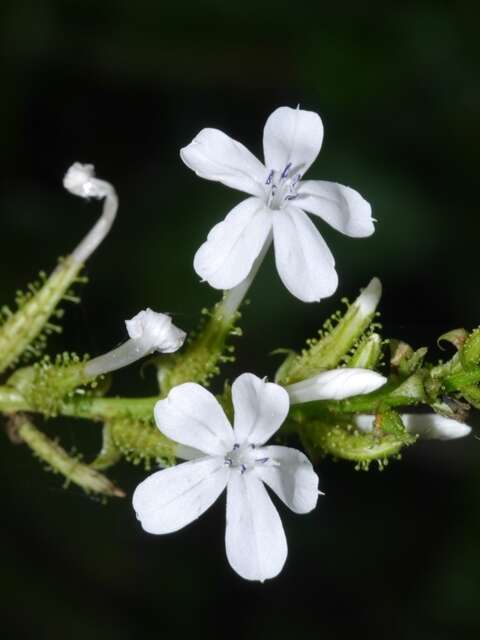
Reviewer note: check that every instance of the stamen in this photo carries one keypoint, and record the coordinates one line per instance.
(270, 177)
(228, 462)
(236, 446)
(286, 170)
(243, 468)
(262, 460)
(296, 179)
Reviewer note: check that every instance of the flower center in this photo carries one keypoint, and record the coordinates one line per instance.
(281, 187)
(246, 456)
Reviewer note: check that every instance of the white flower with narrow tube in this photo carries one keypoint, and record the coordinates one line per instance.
(149, 332)
(277, 204)
(336, 384)
(236, 459)
(80, 180)
(428, 426)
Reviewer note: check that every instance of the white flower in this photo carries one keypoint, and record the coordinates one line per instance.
(233, 458)
(336, 384)
(148, 331)
(292, 139)
(429, 426)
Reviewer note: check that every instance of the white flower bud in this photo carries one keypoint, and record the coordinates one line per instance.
(368, 300)
(149, 332)
(156, 331)
(429, 426)
(336, 384)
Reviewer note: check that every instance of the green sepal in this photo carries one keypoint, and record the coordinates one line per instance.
(206, 350)
(289, 361)
(109, 454)
(368, 353)
(471, 394)
(339, 335)
(46, 384)
(24, 332)
(343, 441)
(470, 352)
(404, 359)
(455, 337)
(142, 442)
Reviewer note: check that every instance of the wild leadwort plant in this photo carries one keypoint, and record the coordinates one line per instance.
(350, 393)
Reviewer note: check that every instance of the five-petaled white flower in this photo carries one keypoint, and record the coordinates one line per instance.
(292, 139)
(237, 459)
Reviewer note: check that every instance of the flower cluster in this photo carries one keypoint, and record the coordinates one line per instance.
(238, 459)
(331, 394)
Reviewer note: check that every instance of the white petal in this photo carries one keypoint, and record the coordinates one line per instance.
(232, 246)
(343, 208)
(292, 137)
(336, 384)
(215, 156)
(183, 452)
(260, 408)
(172, 498)
(255, 539)
(426, 425)
(304, 262)
(192, 416)
(290, 474)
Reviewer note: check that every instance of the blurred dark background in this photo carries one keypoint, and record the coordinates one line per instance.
(124, 85)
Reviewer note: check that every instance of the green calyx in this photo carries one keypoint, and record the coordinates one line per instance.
(206, 350)
(25, 331)
(342, 440)
(46, 385)
(340, 335)
(59, 387)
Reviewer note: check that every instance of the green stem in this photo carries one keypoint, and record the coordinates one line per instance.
(99, 409)
(59, 460)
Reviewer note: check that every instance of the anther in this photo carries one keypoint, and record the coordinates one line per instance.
(286, 170)
(243, 468)
(270, 177)
(236, 446)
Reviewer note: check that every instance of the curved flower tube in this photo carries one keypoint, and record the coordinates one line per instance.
(80, 181)
(148, 331)
(22, 328)
(277, 206)
(236, 459)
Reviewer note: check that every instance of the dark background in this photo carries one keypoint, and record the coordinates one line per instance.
(124, 85)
